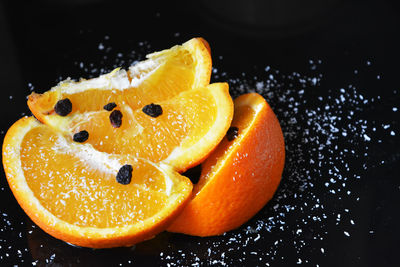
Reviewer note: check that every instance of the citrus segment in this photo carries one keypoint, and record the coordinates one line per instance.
(70, 189)
(191, 124)
(163, 75)
(240, 176)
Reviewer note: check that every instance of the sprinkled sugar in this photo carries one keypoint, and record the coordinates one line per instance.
(328, 141)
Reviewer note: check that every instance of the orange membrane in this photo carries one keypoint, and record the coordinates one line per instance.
(185, 118)
(243, 117)
(75, 188)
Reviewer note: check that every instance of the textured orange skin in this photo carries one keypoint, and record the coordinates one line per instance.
(61, 230)
(223, 204)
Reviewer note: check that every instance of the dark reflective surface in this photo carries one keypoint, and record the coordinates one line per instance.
(332, 81)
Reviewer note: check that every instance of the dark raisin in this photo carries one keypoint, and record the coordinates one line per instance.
(153, 110)
(124, 175)
(63, 107)
(116, 118)
(81, 137)
(110, 106)
(232, 133)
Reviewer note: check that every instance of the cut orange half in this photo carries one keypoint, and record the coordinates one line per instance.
(72, 190)
(240, 176)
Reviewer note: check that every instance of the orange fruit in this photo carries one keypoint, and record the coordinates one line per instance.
(163, 75)
(240, 176)
(102, 169)
(70, 189)
(194, 119)
(192, 123)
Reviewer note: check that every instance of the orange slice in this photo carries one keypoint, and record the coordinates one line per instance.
(70, 189)
(163, 75)
(192, 123)
(240, 176)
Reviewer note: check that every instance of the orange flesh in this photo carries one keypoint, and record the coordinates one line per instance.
(179, 71)
(140, 135)
(242, 119)
(74, 191)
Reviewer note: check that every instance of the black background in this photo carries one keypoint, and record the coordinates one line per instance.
(355, 42)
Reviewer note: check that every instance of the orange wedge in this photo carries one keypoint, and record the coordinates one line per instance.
(163, 75)
(71, 191)
(240, 176)
(192, 123)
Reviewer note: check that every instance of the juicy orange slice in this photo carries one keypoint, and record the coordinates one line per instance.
(240, 176)
(70, 189)
(163, 75)
(192, 123)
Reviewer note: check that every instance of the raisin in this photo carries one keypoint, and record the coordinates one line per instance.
(81, 137)
(153, 110)
(232, 133)
(116, 118)
(63, 107)
(110, 106)
(124, 175)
